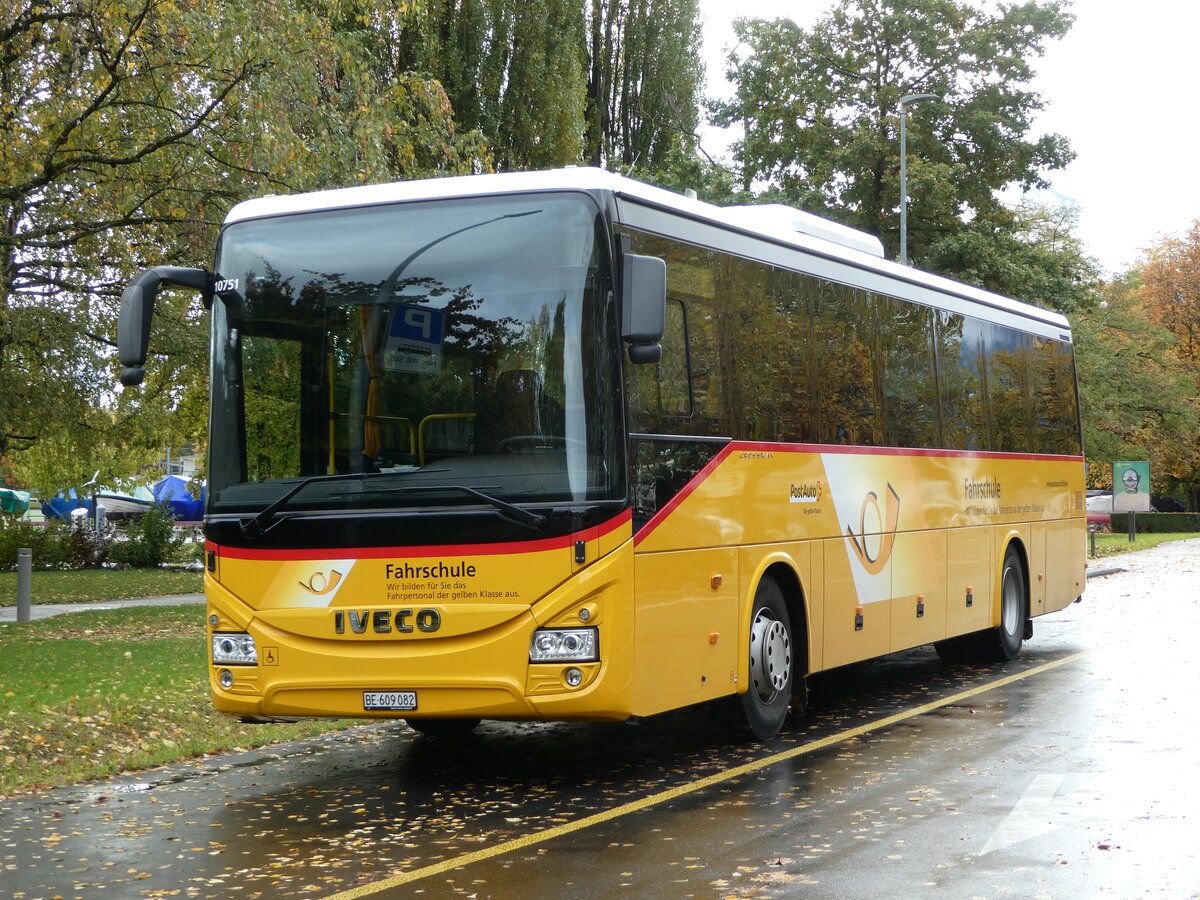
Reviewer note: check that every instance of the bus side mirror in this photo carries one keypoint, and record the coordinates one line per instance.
(643, 306)
(137, 309)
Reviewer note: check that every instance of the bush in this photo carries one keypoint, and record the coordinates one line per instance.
(55, 544)
(85, 547)
(15, 534)
(152, 539)
(1158, 523)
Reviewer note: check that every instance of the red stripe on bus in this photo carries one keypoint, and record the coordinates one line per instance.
(685, 492)
(819, 449)
(858, 450)
(318, 553)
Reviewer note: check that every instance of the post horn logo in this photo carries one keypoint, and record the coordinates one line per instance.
(319, 583)
(874, 564)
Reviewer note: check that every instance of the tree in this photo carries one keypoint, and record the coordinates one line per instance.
(96, 128)
(130, 126)
(644, 81)
(1138, 400)
(1029, 252)
(819, 109)
(512, 69)
(614, 83)
(1169, 295)
(1170, 290)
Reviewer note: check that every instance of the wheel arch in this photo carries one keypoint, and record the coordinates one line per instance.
(783, 570)
(1014, 541)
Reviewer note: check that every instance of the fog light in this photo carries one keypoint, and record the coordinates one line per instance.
(564, 645)
(233, 648)
(574, 677)
(225, 678)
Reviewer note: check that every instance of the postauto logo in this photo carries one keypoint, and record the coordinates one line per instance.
(888, 519)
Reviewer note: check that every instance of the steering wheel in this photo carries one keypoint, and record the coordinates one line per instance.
(530, 442)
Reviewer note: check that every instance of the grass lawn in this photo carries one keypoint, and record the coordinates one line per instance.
(96, 693)
(1114, 544)
(98, 585)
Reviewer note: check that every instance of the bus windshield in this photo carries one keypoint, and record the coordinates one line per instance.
(449, 350)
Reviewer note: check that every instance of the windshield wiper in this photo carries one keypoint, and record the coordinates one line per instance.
(510, 511)
(261, 523)
(258, 525)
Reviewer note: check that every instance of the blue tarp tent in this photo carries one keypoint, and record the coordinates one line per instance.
(174, 491)
(61, 507)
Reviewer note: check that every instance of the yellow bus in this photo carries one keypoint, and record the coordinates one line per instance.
(560, 445)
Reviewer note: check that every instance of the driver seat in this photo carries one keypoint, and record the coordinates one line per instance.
(513, 408)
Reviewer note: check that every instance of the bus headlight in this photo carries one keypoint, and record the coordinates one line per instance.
(564, 645)
(233, 648)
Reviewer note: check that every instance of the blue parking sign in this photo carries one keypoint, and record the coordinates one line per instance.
(414, 340)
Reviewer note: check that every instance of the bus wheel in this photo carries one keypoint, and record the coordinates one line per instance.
(765, 702)
(999, 644)
(1010, 635)
(443, 728)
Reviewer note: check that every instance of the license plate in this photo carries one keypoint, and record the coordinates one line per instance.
(397, 700)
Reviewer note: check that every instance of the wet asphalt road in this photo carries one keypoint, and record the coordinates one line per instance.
(1065, 774)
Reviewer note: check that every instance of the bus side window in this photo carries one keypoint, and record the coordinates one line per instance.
(675, 382)
(662, 392)
(1052, 393)
(961, 370)
(792, 365)
(910, 389)
(1008, 395)
(845, 338)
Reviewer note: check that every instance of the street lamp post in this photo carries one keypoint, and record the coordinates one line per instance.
(904, 101)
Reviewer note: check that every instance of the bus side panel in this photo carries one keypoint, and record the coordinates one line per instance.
(844, 642)
(918, 589)
(969, 567)
(1066, 555)
(814, 594)
(687, 628)
(1037, 568)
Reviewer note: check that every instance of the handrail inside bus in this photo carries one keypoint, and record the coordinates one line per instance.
(434, 418)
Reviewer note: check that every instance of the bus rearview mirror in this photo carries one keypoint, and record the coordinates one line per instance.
(137, 311)
(643, 306)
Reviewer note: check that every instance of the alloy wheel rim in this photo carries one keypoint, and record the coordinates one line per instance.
(770, 656)
(1010, 611)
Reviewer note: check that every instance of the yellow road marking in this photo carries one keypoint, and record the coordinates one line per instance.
(549, 834)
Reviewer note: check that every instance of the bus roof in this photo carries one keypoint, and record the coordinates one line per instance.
(775, 223)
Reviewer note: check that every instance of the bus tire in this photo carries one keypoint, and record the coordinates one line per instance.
(443, 728)
(1002, 643)
(772, 663)
(1009, 635)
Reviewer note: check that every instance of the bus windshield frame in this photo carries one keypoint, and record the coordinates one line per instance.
(459, 352)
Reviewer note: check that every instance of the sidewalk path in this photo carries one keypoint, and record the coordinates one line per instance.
(46, 610)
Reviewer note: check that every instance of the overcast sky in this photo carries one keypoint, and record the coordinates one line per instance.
(1118, 86)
